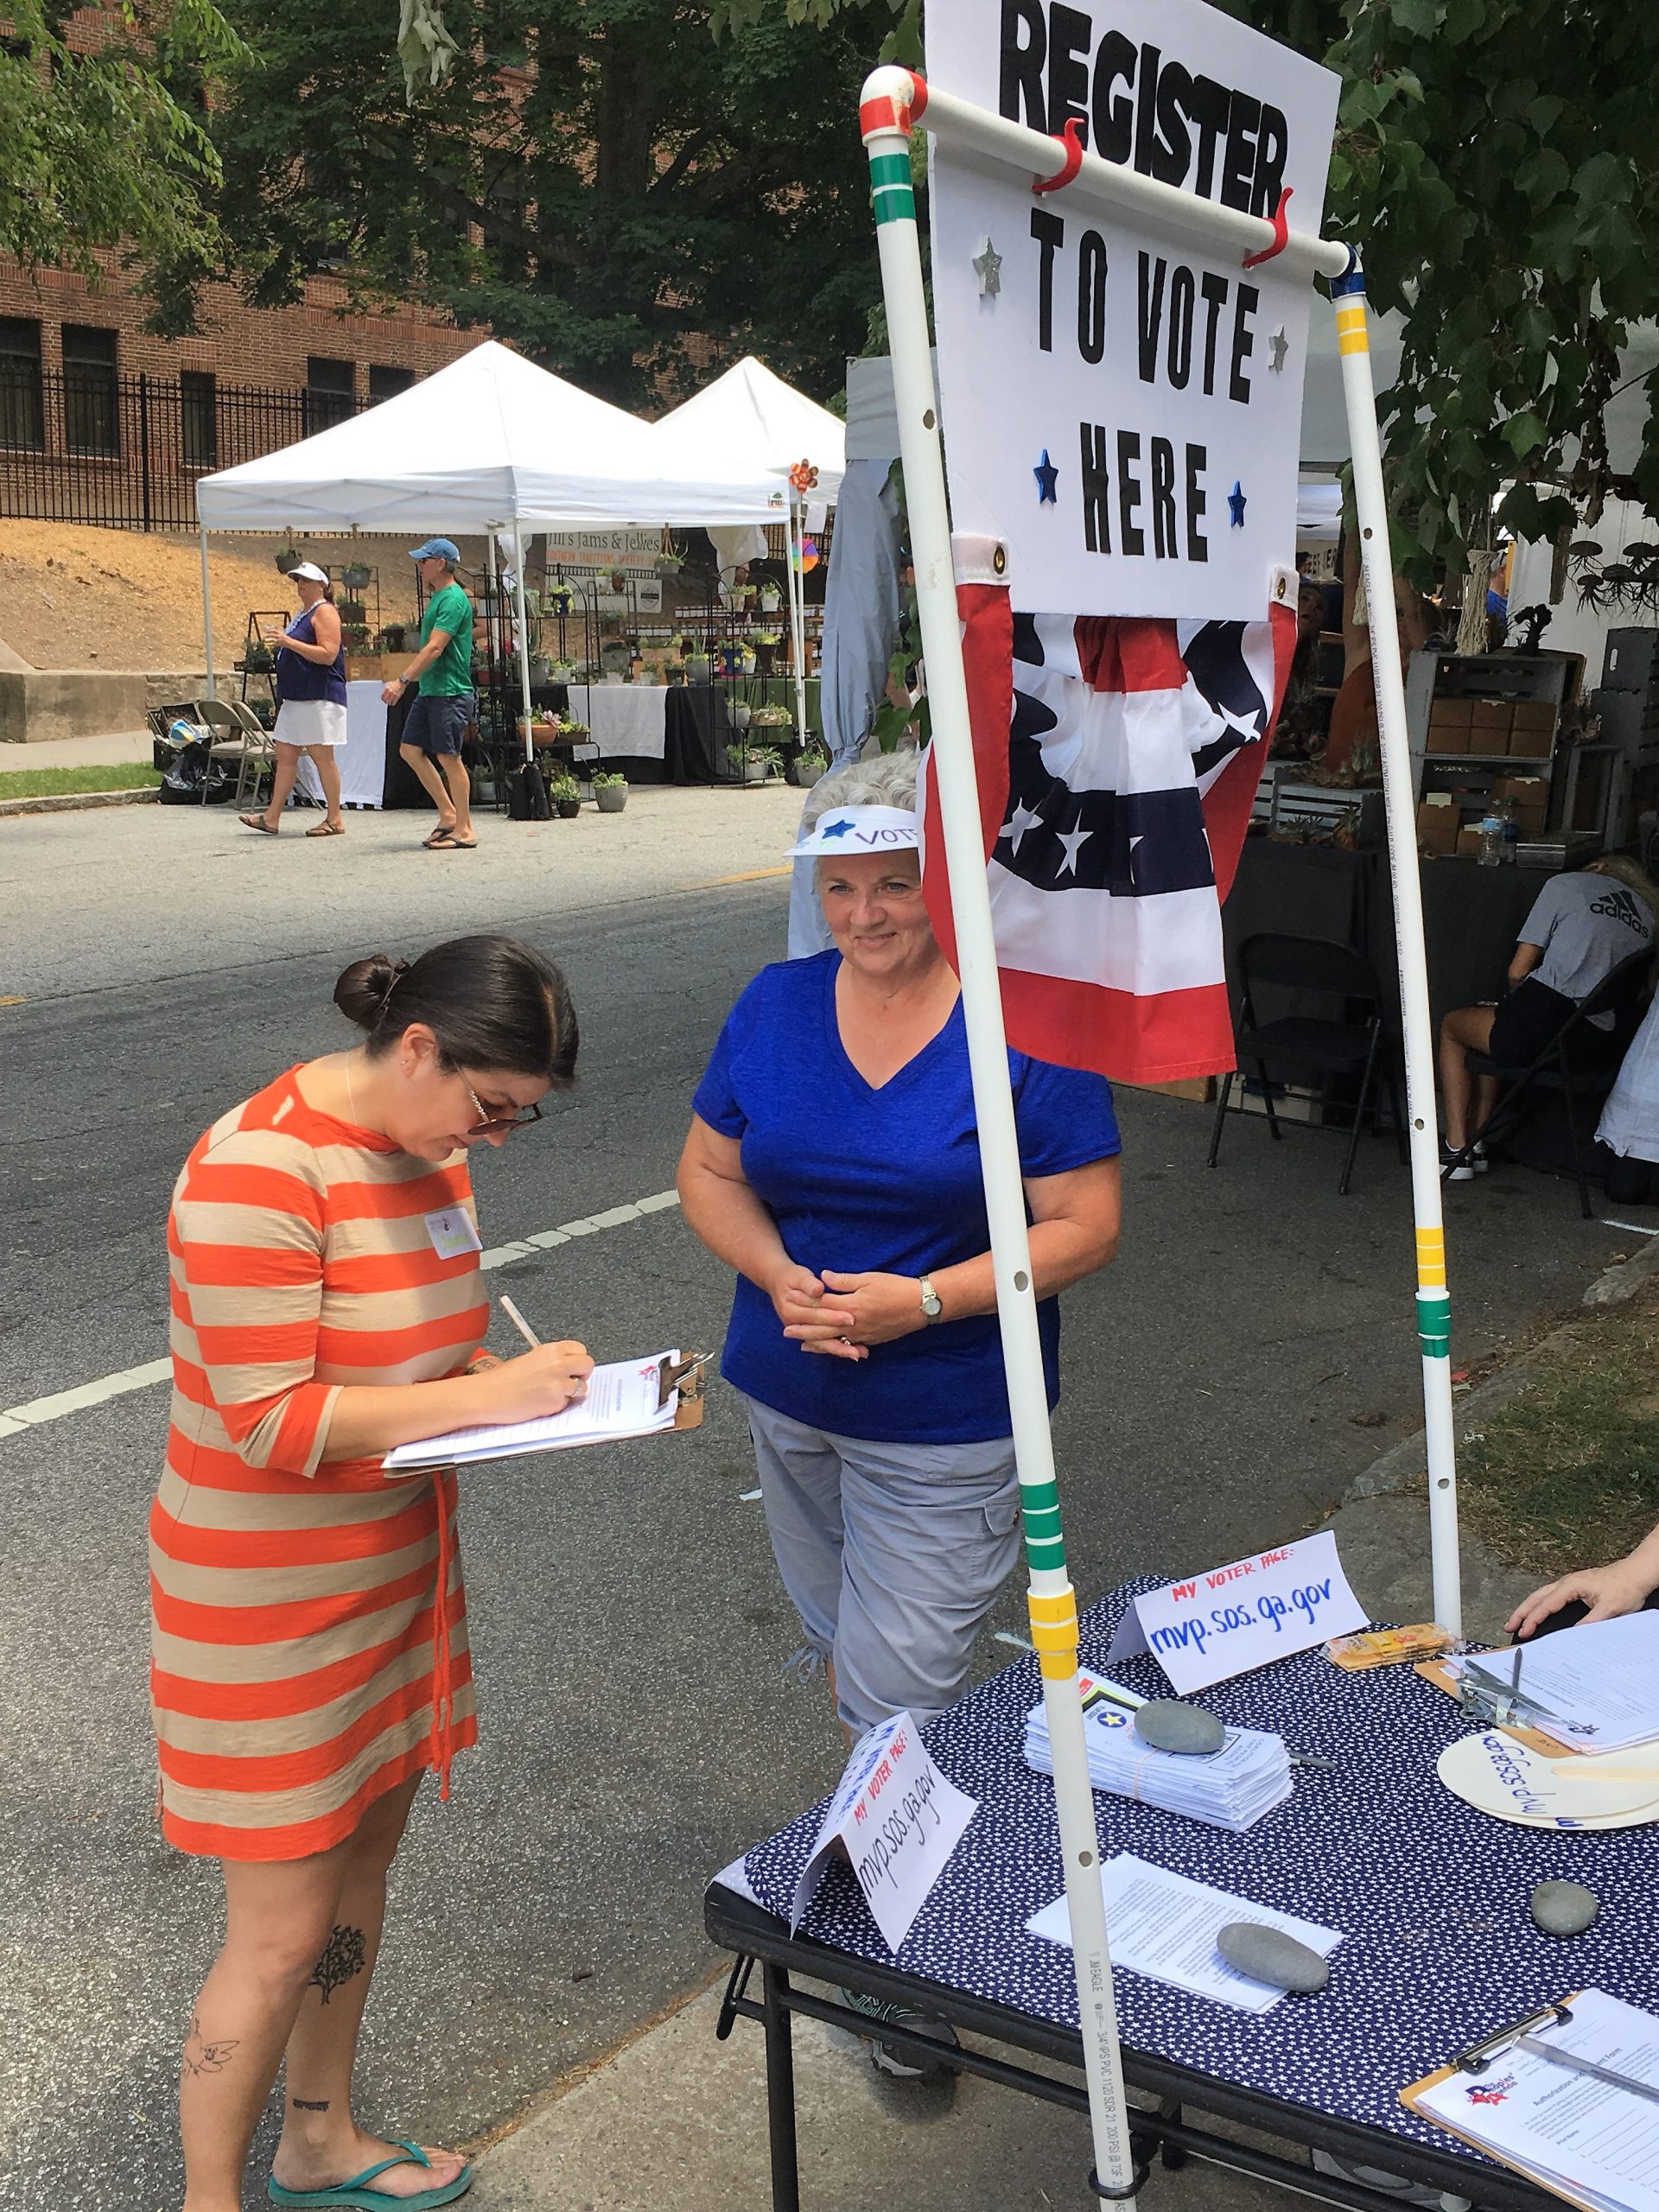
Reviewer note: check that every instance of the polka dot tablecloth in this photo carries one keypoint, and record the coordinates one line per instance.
(1437, 1946)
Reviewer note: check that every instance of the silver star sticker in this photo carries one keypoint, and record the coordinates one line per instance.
(1073, 840)
(1244, 726)
(1278, 345)
(1023, 819)
(987, 263)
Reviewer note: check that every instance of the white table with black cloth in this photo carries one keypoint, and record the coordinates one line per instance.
(1438, 1948)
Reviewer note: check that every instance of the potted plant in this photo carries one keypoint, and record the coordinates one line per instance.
(562, 671)
(356, 577)
(771, 599)
(350, 610)
(809, 764)
(354, 636)
(611, 793)
(391, 639)
(566, 798)
(576, 733)
(287, 556)
(258, 659)
(766, 643)
(699, 667)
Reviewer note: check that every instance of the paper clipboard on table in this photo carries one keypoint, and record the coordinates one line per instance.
(640, 1395)
(1549, 1747)
(1469, 2066)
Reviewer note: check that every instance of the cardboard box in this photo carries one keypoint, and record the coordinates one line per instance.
(1529, 744)
(1532, 713)
(1448, 713)
(1528, 797)
(1491, 715)
(1469, 841)
(1437, 827)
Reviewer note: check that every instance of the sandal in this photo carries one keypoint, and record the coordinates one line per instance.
(458, 845)
(257, 822)
(438, 838)
(356, 2193)
(328, 829)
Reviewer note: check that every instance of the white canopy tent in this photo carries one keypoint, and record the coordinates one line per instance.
(748, 425)
(491, 443)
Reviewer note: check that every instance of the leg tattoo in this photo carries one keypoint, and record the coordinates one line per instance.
(309, 2104)
(201, 2057)
(342, 1957)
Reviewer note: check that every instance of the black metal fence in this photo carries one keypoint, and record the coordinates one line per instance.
(84, 445)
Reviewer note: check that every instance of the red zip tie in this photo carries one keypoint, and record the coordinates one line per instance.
(1281, 232)
(1073, 145)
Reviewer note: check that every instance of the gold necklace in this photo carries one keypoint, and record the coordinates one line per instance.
(351, 1093)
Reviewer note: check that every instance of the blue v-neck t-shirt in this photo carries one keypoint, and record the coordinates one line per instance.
(866, 1180)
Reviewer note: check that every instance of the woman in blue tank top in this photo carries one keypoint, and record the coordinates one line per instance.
(311, 714)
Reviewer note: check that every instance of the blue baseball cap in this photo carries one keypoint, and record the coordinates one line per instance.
(435, 549)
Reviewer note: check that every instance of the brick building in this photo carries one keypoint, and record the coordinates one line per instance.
(101, 420)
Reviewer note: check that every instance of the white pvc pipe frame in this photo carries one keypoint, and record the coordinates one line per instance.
(891, 103)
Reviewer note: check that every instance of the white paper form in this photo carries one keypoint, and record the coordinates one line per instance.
(621, 1401)
(1599, 1681)
(1600, 2142)
(1165, 1926)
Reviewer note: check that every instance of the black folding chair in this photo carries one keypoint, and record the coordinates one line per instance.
(1313, 1046)
(1581, 1061)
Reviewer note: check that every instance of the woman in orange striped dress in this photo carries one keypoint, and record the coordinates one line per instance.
(310, 1638)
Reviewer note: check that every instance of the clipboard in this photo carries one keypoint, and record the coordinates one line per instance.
(1475, 2060)
(686, 1375)
(1437, 1671)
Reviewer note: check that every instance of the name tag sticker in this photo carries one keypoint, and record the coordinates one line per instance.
(452, 1233)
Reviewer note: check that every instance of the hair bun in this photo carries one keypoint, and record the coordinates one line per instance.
(364, 987)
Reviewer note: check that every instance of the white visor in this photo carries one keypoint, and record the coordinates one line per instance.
(858, 829)
(310, 571)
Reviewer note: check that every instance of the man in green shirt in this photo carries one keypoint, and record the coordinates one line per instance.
(435, 726)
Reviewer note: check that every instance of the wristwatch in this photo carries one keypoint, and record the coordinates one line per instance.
(931, 1306)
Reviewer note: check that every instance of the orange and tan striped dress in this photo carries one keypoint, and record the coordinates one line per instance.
(300, 1666)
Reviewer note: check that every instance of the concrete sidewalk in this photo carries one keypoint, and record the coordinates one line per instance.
(115, 750)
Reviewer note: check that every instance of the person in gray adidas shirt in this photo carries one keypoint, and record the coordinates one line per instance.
(1580, 928)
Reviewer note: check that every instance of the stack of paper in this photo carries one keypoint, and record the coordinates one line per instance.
(1595, 1687)
(1229, 1789)
(621, 1400)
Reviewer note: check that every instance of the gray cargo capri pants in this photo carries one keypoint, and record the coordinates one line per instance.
(892, 1554)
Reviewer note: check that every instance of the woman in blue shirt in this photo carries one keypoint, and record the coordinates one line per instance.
(834, 1161)
(311, 716)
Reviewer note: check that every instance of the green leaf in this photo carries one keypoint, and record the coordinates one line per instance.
(1525, 433)
(1422, 16)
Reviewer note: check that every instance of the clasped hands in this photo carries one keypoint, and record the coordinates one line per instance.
(844, 1314)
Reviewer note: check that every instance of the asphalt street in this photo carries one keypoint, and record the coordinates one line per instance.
(629, 1632)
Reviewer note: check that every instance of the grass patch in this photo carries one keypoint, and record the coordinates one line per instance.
(1567, 1474)
(52, 783)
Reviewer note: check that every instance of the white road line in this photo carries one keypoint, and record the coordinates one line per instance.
(14, 1420)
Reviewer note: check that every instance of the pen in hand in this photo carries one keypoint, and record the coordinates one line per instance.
(520, 1324)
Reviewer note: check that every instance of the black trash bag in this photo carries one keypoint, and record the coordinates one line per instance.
(194, 767)
(527, 798)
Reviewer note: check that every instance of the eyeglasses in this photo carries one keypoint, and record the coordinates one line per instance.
(488, 1123)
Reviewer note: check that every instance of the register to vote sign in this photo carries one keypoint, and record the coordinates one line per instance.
(1231, 1618)
(896, 1819)
(1123, 409)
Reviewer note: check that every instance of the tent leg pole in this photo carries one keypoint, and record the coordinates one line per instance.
(798, 611)
(524, 639)
(1433, 1301)
(1051, 1598)
(207, 616)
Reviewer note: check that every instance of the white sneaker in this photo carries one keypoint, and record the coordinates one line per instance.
(1468, 1168)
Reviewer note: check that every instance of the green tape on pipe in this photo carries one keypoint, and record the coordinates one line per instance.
(894, 203)
(1046, 1552)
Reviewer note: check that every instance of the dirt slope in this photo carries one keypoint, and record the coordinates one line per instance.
(75, 597)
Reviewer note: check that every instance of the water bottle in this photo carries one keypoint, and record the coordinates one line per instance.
(1511, 833)
(1490, 852)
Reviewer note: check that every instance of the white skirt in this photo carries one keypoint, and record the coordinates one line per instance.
(310, 721)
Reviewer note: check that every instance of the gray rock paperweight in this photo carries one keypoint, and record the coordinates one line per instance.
(1169, 1725)
(1564, 1908)
(1268, 1954)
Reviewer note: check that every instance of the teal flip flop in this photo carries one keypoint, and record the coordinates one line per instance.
(357, 2195)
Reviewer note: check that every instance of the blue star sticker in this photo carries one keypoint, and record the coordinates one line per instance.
(1235, 505)
(835, 828)
(1047, 475)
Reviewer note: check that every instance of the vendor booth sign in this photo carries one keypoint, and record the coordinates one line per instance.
(1123, 411)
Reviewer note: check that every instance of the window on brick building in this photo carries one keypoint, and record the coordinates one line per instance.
(23, 409)
(90, 417)
(198, 418)
(386, 382)
(330, 389)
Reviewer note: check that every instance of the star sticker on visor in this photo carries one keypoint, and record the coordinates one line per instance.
(835, 828)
